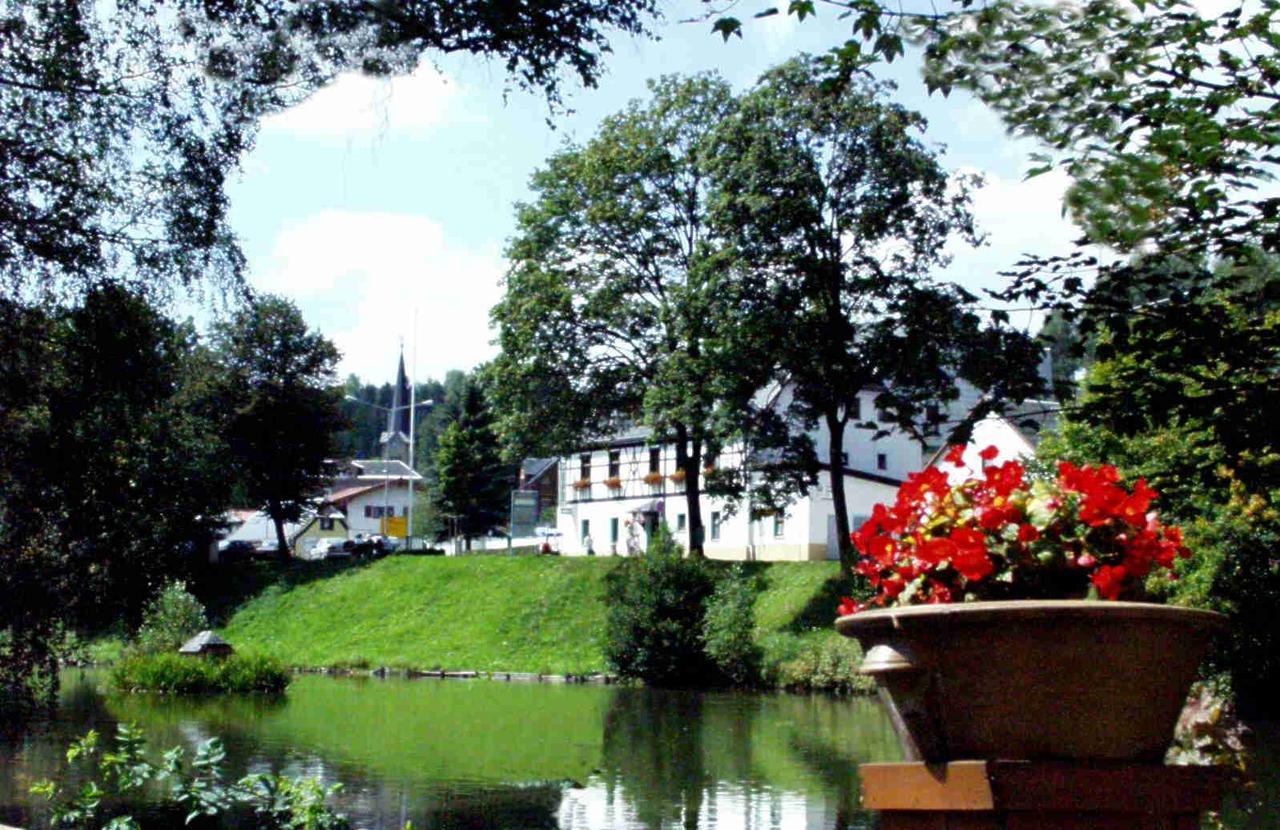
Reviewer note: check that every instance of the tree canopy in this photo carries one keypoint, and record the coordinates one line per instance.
(619, 308)
(277, 390)
(833, 202)
(120, 123)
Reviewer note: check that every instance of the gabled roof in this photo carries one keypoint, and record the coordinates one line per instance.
(201, 641)
(371, 468)
(535, 468)
(346, 494)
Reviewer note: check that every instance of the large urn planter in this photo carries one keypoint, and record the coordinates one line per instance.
(1035, 680)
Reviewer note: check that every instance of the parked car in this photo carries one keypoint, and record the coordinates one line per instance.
(328, 548)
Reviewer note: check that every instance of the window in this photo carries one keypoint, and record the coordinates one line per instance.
(584, 466)
(655, 459)
(586, 528)
(613, 530)
(882, 461)
(681, 522)
(779, 525)
(715, 525)
(326, 524)
(709, 459)
(368, 511)
(615, 463)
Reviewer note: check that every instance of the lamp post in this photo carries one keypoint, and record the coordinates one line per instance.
(429, 402)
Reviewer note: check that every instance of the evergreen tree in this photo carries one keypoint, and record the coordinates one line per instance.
(473, 486)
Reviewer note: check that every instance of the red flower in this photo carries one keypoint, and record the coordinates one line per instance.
(989, 453)
(936, 551)
(1028, 533)
(971, 559)
(1109, 580)
(955, 455)
(1005, 478)
(848, 606)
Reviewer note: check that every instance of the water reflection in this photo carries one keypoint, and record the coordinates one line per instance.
(475, 754)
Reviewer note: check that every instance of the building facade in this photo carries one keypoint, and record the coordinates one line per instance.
(613, 494)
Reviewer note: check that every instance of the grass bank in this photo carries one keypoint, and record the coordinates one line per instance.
(492, 613)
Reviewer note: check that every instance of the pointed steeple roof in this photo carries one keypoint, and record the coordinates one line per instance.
(398, 417)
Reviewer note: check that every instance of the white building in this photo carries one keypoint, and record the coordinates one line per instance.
(370, 490)
(613, 494)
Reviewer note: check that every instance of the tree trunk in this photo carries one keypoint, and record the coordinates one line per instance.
(467, 542)
(835, 466)
(282, 545)
(689, 459)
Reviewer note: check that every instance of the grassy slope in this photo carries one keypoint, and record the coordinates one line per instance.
(486, 613)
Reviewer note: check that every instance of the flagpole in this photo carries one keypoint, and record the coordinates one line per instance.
(413, 419)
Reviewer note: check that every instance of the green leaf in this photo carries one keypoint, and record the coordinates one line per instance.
(801, 8)
(727, 26)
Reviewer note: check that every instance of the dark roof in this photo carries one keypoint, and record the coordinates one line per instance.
(535, 468)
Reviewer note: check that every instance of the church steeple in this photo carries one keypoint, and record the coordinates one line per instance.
(395, 439)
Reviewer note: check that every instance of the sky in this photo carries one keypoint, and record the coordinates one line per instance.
(376, 203)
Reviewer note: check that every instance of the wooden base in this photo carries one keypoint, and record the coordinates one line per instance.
(1025, 795)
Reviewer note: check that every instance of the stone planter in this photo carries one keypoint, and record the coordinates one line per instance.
(1035, 680)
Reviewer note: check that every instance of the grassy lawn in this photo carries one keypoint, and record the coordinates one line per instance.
(488, 613)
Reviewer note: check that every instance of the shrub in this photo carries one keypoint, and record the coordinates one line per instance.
(171, 619)
(729, 628)
(119, 781)
(184, 675)
(828, 663)
(657, 603)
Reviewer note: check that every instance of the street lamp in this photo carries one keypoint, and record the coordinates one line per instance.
(386, 480)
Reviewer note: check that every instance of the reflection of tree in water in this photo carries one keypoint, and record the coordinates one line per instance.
(653, 749)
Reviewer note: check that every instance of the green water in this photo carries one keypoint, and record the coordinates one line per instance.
(480, 754)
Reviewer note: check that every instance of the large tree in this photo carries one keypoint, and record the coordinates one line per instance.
(473, 485)
(112, 474)
(834, 202)
(281, 403)
(619, 307)
(120, 123)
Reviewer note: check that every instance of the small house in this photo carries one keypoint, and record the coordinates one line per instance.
(206, 644)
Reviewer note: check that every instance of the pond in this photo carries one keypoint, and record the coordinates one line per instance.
(480, 754)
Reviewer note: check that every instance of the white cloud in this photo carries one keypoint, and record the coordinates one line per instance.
(359, 276)
(356, 104)
(1018, 217)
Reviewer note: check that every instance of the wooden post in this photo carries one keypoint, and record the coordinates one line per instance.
(1026, 795)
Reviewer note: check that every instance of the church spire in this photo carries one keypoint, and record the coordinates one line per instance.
(396, 436)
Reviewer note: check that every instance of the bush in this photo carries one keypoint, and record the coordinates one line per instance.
(171, 619)
(657, 603)
(824, 663)
(184, 675)
(729, 628)
(122, 779)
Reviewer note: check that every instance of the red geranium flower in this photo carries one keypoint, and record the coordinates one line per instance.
(970, 540)
(955, 455)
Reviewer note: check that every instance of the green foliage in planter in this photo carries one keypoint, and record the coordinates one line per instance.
(728, 628)
(185, 675)
(171, 619)
(657, 603)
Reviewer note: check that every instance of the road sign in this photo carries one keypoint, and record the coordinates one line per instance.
(524, 512)
(395, 526)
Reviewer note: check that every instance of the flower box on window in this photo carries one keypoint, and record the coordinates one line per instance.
(678, 476)
(613, 483)
(582, 484)
(654, 478)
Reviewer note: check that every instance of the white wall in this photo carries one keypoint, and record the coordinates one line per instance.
(397, 497)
